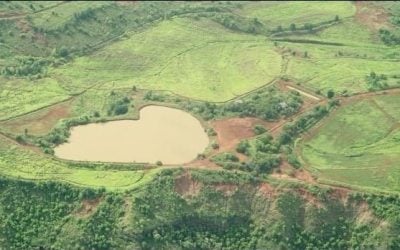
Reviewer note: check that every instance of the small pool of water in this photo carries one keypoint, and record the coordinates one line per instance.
(162, 134)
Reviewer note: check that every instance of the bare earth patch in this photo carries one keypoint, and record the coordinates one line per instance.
(266, 190)
(373, 17)
(286, 171)
(231, 131)
(226, 189)
(186, 186)
(39, 122)
(88, 207)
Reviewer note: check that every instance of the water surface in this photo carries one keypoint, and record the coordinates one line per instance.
(161, 134)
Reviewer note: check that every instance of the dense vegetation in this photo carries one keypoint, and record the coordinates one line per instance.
(67, 63)
(159, 217)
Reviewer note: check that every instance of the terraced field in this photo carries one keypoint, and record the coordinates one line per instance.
(358, 145)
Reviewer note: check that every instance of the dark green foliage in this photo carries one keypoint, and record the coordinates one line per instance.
(99, 231)
(259, 129)
(388, 37)
(376, 82)
(243, 147)
(119, 107)
(292, 131)
(152, 96)
(268, 104)
(31, 215)
(227, 160)
(330, 94)
(292, 159)
(27, 66)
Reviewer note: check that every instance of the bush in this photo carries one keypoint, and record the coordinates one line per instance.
(121, 109)
(330, 94)
(243, 147)
(259, 129)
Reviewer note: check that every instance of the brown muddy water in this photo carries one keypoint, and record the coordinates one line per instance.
(161, 134)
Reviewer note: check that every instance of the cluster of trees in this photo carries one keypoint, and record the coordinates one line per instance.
(119, 107)
(291, 131)
(267, 104)
(43, 215)
(308, 27)
(265, 152)
(60, 133)
(238, 23)
(388, 37)
(84, 15)
(32, 214)
(27, 66)
(152, 96)
(376, 82)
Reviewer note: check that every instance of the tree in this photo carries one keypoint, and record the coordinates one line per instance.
(330, 93)
(336, 18)
(292, 27)
(243, 147)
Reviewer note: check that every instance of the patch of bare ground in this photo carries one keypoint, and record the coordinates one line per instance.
(309, 197)
(364, 213)
(231, 131)
(370, 15)
(202, 163)
(226, 189)
(341, 194)
(286, 171)
(266, 190)
(88, 207)
(40, 122)
(186, 186)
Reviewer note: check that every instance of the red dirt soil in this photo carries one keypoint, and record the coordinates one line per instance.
(231, 131)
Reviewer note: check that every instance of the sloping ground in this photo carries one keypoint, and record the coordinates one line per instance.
(358, 145)
(197, 59)
(21, 162)
(222, 211)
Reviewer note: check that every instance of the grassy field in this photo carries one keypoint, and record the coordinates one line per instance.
(359, 145)
(17, 162)
(196, 59)
(187, 53)
(55, 18)
(299, 12)
(20, 96)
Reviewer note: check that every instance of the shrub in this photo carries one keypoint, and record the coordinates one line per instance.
(259, 129)
(121, 109)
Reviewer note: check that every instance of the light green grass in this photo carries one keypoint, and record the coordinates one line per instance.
(58, 16)
(197, 59)
(391, 105)
(359, 138)
(20, 96)
(22, 163)
(339, 73)
(298, 12)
